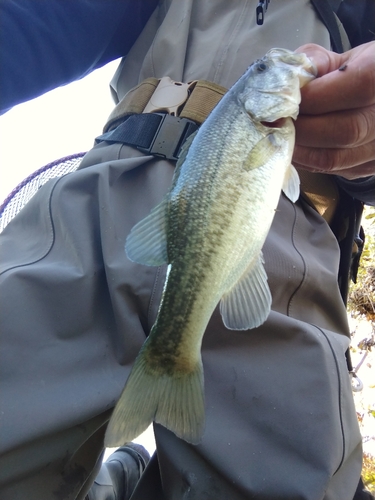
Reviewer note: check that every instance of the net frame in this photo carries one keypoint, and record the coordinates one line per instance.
(27, 188)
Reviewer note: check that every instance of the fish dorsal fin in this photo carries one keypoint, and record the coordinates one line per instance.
(262, 152)
(147, 241)
(291, 183)
(248, 303)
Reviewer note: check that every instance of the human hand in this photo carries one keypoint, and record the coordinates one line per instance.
(335, 130)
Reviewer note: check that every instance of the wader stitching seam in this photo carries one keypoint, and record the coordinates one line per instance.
(52, 233)
(339, 396)
(290, 302)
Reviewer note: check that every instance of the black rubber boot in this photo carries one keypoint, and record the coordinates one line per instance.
(119, 475)
(362, 493)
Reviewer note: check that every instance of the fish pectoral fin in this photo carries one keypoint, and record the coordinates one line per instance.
(174, 401)
(291, 183)
(147, 241)
(262, 152)
(248, 303)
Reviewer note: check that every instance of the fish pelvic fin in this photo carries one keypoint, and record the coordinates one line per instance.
(175, 401)
(248, 303)
(291, 183)
(147, 241)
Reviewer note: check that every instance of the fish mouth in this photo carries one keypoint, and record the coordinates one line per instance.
(307, 69)
(307, 73)
(280, 122)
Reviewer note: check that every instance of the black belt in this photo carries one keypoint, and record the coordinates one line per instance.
(157, 134)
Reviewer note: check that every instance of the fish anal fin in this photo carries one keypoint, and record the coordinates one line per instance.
(291, 183)
(174, 401)
(147, 241)
(248, 303)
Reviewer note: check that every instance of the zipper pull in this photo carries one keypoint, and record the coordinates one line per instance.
(261, 11)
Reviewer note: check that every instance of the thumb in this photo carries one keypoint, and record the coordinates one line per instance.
(325, 60)
(327, 92)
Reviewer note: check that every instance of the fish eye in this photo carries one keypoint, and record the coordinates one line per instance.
(261, 67)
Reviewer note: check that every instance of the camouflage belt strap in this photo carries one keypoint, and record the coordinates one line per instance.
(201, 97)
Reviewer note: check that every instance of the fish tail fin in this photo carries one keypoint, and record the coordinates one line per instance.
(174, 401)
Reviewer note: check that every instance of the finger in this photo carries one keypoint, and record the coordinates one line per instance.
(327, 160)
(337, 90)
(340, 129)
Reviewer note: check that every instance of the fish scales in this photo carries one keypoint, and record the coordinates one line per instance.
(223, 219)
(210, 229)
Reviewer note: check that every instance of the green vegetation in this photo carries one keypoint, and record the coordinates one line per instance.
(362, 294)
(361, 306)
(368, 472)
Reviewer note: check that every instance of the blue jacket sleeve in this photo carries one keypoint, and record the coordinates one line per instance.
(48, 43)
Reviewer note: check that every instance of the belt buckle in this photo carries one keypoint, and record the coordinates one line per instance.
(167, 101)
(169, 96)
(170, 136)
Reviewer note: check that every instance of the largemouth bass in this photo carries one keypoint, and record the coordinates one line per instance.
(210, 228)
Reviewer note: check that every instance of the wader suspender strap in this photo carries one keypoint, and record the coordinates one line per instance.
(351, 245)
(326, 10)
(349, 260)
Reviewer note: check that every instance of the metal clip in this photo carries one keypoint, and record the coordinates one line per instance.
(356, 382)
(168, 97)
